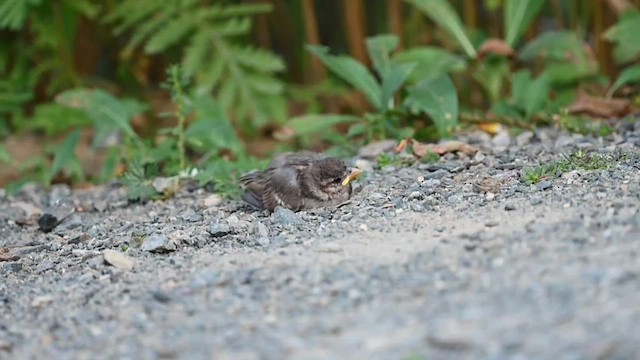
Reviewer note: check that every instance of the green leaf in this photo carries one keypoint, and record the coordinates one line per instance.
(13, 13)
(110, 165)
(431, 62)
(629, 75)
(212, 129)
(491, 75)
(356, 130)
(444, 14)
(54, 119)
(518, 15)
(626, 36)
(5, 157)
(553, 45)
(313, 123)
(538, 96)
(65, 157)
(108, 112)
(396, 77)
(439, 99)
(520, 87)
(350, 71)
(379, 47)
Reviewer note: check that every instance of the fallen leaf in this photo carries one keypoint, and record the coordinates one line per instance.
(495, 46)
(9, 257)
(451, 146)
(403, 145)
(599, 107)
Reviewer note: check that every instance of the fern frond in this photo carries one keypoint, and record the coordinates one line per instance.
(213, 53)
(13, 13)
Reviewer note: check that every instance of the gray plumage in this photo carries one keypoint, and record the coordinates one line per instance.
(299, 181)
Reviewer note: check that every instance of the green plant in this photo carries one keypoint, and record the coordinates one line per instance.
(207, 40)
(392, 106)
(578, 160)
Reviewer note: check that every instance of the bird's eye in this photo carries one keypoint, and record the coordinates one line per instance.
(337, 180)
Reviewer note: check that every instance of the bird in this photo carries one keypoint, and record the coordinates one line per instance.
(299, 181)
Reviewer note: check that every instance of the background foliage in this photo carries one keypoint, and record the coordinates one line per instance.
(138, 89)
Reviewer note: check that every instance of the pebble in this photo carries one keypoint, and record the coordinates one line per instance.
(510, 207)
(263, 241)
(286, 216)
(220, 229)
(438, 174)
(47, 222)
(211, 201)
(544, 185)
(12, 267)
(329, 247)
(117, 259)
(158, 243)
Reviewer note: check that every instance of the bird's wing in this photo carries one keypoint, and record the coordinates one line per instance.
(298, 159)
(282, 189)
(253, 184)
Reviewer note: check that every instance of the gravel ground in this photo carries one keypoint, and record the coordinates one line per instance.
(459, 259)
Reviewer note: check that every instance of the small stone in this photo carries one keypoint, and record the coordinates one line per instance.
(192, 216)
(263, 241)
(363, 227)
(524, 138)
(161, 296)
(158, 243)
(417, 207)
(261, 230)
(510, 207)
(47, 222)
(100, 205)
(117, 259)
(438, 174)
(44, 266)
(490, 196)
(535, 201)
(212, 200)
(364, 165)
(42, 301)
(220, 229)
(164, 185)
(329, 247)
(415, 195)
(285, 216)
(501, 141)
(491, 223)
(544, 185)
(455, 198)
(12, 267)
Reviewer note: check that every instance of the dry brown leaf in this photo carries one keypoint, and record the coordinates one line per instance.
(495, 46)
(452, 146)
(599, 107)
(403, 145)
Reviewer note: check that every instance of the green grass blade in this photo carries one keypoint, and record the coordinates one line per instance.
(518, 15)
(443, 13)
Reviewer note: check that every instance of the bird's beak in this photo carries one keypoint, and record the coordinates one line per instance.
(355, 172)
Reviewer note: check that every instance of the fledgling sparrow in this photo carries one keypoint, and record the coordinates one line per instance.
(299, 181)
